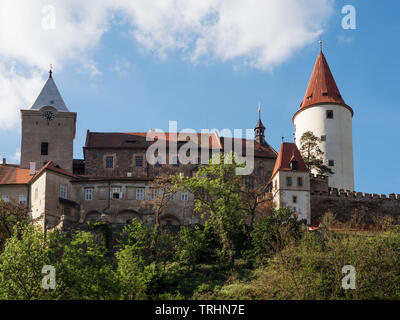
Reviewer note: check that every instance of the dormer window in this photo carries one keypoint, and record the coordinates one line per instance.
(324, 94)
(293, 165)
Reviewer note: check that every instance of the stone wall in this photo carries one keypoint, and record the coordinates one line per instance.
(344, 204)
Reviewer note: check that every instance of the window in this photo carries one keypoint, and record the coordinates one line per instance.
(116, 193)
(299, 181)
(44, 149)
(139, 194)
(323, 138)
(294, 199)
(325, 94)
(293, 165)
(63, 191)
(171, 196)
(249, 182)
(4, 198)
(22, 199)
(331, 163)
(139, 161)
(329, 114)
(153, 194)
(289, 181)
(109, 162)
(88, 194)
(185, 196)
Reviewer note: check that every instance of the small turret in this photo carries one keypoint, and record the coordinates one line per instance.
(260, 129)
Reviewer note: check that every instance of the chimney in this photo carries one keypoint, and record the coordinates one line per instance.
(4, 161)
(32, 167)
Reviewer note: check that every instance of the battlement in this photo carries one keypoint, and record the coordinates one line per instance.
(359, 195)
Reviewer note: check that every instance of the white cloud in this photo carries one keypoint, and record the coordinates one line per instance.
(255, 33)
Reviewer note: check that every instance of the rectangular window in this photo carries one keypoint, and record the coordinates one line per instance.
(139, 161)
(22, 199)
(323, 138)
(299, 181)
(4, 198)
(116, 193)
(153, 194)
(44, 149)
(63, 191)
(289, 181)
(109, 162)
(331, 163)
(139, 194)
(329, 114)
(185, 196)
(89, 194)
(171, 196)
(294, 199)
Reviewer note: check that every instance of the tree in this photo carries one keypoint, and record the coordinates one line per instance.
(159, 196)
(254, 196)
(216, 190)
(10, 215)
(312, 154)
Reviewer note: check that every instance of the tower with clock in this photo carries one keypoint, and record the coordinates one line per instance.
(48, 130)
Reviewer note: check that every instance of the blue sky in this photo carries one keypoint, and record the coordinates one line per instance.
(123, 83)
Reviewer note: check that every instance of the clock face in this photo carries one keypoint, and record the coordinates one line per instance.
(48, 115)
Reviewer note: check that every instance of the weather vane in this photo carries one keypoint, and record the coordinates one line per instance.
(51, 70)
(320, 44)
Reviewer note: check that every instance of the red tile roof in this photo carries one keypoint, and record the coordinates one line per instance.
(55, 168)
(137, 140)
(322, 87)
(13, 174)
(287, 153)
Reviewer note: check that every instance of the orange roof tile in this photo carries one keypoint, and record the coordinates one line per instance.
(55, 168)
(322, 87)
(288, 153)
(13, 174)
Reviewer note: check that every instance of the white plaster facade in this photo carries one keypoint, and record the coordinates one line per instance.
(339, 139)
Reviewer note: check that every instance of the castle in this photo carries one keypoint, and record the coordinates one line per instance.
(112, 181)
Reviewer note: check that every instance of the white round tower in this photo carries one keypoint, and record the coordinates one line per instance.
(324, 112)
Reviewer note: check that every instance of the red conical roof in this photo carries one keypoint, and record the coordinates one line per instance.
(322, 87)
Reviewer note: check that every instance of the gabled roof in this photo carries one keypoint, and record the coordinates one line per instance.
(288, 153)
(51, 166)
(50, 96)
(13, 174)
(137, 140)
(322, 87)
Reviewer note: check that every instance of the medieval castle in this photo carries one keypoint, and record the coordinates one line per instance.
(112, 181)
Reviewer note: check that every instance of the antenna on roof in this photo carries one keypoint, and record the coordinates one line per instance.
(51, 71)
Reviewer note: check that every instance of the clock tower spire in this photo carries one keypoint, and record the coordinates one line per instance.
(48, 129)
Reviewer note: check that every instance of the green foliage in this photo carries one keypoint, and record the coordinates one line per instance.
(193, 246)
(216, 189)
(83, 270)
(21, 264)
(273, 233)
(10, 215)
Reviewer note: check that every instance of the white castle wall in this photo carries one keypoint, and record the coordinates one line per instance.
(339, 142)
